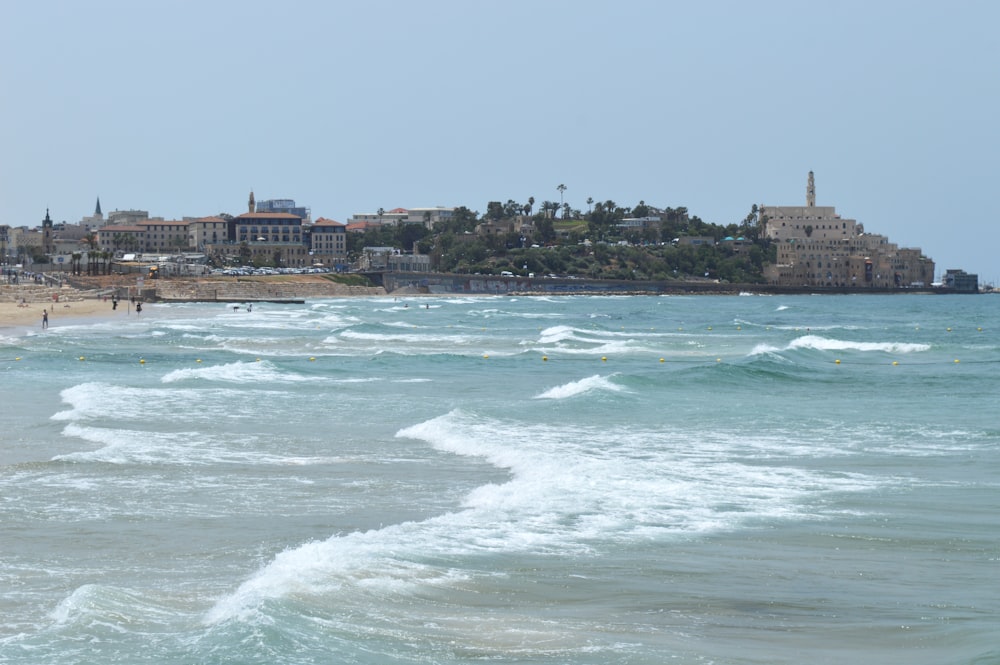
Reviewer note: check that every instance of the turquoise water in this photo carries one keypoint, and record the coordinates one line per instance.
(505, 480)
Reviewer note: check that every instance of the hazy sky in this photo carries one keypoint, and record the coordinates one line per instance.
(181, 107)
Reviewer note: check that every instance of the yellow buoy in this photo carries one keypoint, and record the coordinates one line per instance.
(710, 327)
(486, 355)
(949, 329)
(198, 360)
(739, 327)
(142, 361)
(979, 329)
(258, 359)
(894, 363)
(661, 360)
(18, 358)
(82, 358)
(718, 360)
(956, 360)
(545, 358)
(837, 361)
(604, 359)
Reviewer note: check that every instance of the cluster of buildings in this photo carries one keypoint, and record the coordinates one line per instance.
(817, 247)
(274, 232)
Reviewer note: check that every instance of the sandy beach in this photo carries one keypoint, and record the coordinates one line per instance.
(14, 315)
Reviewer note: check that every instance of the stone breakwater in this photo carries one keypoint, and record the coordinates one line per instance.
(250, 289)
(38, 293)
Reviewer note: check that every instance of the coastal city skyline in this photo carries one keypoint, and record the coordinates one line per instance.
(714, 108)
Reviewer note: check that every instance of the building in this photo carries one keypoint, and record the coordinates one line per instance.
(961, 281)
(403, 262)
(127, 216)
(429, 216)
(204, 231)
(96, 220)
(390, 217)
(283, 205)
(122, 237)
(165, 236)
(48, 239)
(328, 243)
(272, 227)
(23, 244)
(425, 216)
(817, 247)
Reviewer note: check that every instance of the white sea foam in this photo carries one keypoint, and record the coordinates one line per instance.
(594, 383)
(98, 400)
(571, 490)
(828, 344)
(239, 372)
(122, 446)
(407, 338)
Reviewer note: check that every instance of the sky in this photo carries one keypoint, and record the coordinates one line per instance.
(182, 107)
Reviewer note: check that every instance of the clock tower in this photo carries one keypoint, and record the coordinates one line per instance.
(47, 244)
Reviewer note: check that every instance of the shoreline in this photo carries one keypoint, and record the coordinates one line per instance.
(14, 316)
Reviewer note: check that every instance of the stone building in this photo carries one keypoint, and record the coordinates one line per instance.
(817, 247)
(328, 242)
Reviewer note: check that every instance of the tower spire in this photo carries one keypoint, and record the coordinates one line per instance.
(97, 210)
(811, 192)
(251, 203)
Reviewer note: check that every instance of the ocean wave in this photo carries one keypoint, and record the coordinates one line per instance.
(827, 344)
(407, 338)
(99, 400)
(238, 372)
(818, 343)
(571, 490)
(594, 383)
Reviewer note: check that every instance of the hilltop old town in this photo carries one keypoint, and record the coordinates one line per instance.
(513, 246)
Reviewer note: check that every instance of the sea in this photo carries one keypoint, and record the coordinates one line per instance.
(639, 480)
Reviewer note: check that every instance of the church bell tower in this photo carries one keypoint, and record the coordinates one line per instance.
(811, 192)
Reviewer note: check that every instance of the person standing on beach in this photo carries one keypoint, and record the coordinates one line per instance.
(45, 319)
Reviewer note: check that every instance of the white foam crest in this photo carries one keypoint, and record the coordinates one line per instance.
(764, 349)
(93, 398)
(361, 561)
(620, 347)
(557, 334)
(572, 490)
(103, 402)
(126, 446)
(593, 383)
(237, 372)
(122, 446)
(408, 338)
(93, 605)
(828, 344)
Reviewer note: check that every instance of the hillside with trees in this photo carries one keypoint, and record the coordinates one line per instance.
(597, 243)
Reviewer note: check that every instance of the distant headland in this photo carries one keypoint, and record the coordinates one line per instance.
(512, 246)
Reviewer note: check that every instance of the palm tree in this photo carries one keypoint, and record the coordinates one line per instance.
(561, 188)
